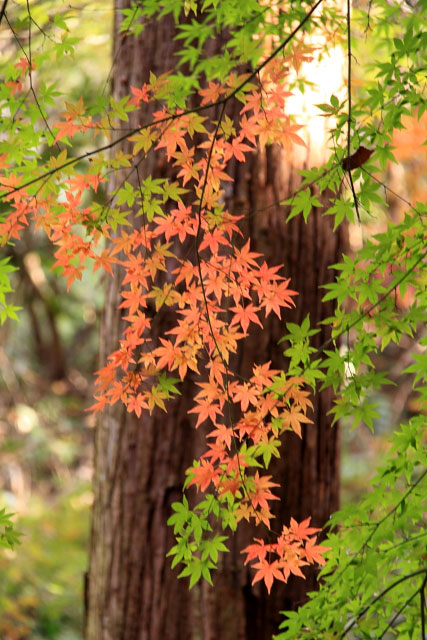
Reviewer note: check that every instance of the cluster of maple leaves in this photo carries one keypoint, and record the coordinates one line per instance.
(216, 295)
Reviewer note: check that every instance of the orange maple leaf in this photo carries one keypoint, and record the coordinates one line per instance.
(24, 64)
(245, 394)
(291, 563)
(302, 530)
(204, 475)
(261, 494)
(292, 419)
(313, 552)
(258, 550)
(140, 95)
(13, 86)
(206, 410)
(137, 404)
(212, 93)
(66, 129)
(222, 434)
(236, 148)
(245, 315)
(267, 572)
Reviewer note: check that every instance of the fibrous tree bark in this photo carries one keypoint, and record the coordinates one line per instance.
(132, 594)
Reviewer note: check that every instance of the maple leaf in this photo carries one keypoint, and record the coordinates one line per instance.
(139, 321)
(203, 475)
(14, 86)
(302, 530)
(217, 370)
(267, 572)
(258, 550)
(71, 273)
(105, 261)
(252, 103)
(12, 181)
(291, 563)
(116, 393)
(212, 93)
(216, 452)
(292, 419)
(275, 296)
(139, 95)
(246, 511)
(249, 128)
(206, 410)
(133, 299)
(245, 315)
(263, 375)
(264, 516)
(99, 405)
(301, 398)
(137, 404)
(216, 174)
(313, 552)
(246, 258)
(222, 434)
(250, 425)
(236, 148)
(186, 271)
(66, 129)
(156, 398)
(22, 64)
(245, 394)
(261, 494)
(167, 354)
(231, 485)
(213, 240)
(74, 110)
(144, 140)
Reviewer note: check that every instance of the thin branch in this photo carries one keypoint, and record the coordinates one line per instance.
(422, 607)
(28, 57)
(220, 102)
(396, 195)
(3, 10)
(349, 108)
(379, 523)
(397, 614)
(367, 312)
(381, 595)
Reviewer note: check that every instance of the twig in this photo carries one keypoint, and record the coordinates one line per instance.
(349, 107)
(220, 102)
(422, 607)
(381, 595)
(397, 614)
(3, 10)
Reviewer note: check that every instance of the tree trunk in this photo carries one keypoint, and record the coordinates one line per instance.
(140, 464)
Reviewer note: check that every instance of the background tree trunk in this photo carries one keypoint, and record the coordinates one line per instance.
(140, 463)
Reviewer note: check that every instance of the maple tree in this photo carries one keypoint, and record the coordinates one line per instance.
(173, 244)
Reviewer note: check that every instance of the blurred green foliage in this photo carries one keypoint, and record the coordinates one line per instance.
(42, 582)
(47, 359)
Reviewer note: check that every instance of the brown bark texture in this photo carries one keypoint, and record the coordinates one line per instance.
(132, 593)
